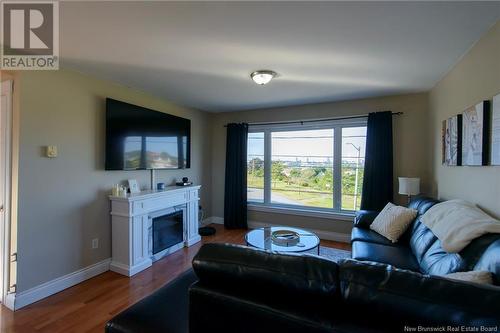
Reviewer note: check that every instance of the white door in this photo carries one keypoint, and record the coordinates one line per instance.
(5, 112)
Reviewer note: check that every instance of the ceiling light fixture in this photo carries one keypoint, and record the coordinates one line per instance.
(263, 76)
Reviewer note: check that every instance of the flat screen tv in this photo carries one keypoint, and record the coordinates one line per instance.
(138, 138)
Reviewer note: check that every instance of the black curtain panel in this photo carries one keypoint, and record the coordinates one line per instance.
(235, 194)
(378, 180)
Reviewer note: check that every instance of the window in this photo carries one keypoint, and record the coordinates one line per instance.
(318, 166)
(255, 167)
(353, 166)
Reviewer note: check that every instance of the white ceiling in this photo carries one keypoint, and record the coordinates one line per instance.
(200, 54)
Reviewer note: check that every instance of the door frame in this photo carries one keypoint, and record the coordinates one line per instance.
(6, 152)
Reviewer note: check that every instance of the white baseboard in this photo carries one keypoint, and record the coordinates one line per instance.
(322, 234)
(120, 268)
(46, 289)
(10, 300)
(192, 241)
(213, 219)
(129, 270)
(205, 221)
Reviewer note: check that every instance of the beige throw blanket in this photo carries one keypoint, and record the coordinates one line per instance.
(456, 223)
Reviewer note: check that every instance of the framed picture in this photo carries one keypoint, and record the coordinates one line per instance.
(475, 130)
(495, 131)
(453, 141)
(134, 186)
(443, 142)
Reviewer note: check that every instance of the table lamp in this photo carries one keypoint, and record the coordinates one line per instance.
(409, 186)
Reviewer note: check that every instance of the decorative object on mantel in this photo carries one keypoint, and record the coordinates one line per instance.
(133, 186)
(495, 131)
(452, 141)
(409, 186)
(118, 191)
(115, 190)
(475, 134)
(185, 182)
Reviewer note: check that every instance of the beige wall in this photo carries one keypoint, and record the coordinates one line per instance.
(63, 201)
(475, 78)
(411, 143)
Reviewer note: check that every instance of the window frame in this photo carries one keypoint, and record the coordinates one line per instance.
(336, 212)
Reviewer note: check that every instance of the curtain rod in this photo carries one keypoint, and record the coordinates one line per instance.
(315, 121)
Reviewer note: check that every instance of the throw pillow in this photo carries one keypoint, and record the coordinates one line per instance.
(393, 221)
(472, 276)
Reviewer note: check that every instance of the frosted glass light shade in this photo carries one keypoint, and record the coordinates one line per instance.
(409, 186)
(262, 77)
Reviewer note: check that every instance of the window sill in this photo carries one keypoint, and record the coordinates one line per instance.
(339, 216)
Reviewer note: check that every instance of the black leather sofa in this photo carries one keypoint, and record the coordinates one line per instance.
(241, 289)
(420, 250)
(246, 290)
(390, 288)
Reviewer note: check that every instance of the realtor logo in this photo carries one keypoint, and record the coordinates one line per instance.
(30, 35)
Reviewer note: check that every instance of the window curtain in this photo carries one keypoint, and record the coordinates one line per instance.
(235, 194)
(378, 179)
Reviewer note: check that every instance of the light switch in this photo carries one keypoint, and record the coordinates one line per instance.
(51, 151)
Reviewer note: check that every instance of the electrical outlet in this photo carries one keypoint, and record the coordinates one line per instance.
(95, 243)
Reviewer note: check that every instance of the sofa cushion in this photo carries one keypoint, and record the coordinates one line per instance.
(437, 261)
(367, 235)
(399, 256)
(223, 264)
(422, 204)
(480, 254)
(490, 261)
(421, 239)
(409, 298)
(233, 276)
(212, 310)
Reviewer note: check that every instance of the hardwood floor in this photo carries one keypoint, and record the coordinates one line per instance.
(87, 306)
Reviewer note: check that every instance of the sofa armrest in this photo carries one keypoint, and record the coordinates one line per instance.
(364, 218)
(404, 297)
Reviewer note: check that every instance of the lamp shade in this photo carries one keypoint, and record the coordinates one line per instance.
(409, 186)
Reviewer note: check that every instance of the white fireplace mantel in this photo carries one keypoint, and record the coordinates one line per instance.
(131, 224)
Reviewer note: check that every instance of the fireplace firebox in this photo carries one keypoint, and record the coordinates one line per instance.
(167, 232)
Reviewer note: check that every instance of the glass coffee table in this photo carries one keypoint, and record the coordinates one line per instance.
(262, 238)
